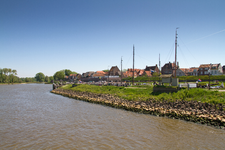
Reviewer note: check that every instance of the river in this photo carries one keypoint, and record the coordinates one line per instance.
(33, 118)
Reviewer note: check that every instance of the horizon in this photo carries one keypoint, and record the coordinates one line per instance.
(49, 36)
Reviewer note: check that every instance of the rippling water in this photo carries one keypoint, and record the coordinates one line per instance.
(33, 118)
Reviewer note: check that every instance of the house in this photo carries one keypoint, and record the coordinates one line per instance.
(147, 73)
(182, 72)
(215, 69)
(169, 68)
(72, 77)
(152, 69)
(193, 71)
(130, 71)
(98, 74)
(114, 71)
(129, 74)
(140, 73)
(203, 69)
(88, 74)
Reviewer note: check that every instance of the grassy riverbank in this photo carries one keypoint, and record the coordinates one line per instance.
(145, 93)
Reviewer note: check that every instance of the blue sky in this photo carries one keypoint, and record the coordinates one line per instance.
(90, 35)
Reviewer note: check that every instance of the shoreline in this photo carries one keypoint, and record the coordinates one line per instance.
(203, 113)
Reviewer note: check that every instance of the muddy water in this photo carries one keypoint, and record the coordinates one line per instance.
(33, 118)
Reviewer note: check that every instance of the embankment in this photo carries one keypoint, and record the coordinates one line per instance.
(194, 111)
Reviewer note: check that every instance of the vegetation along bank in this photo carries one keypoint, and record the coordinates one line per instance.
(196, 105)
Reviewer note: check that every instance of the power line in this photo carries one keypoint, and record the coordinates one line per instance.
(189, 51)
(183, 56)
(207, 36)
(169, 54)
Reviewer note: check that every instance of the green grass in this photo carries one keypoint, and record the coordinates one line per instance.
(144, 93)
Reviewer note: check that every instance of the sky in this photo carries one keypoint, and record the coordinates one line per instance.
(92, 35)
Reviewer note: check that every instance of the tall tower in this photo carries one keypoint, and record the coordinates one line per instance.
(159, 64)
(133, 66)
(176, 54)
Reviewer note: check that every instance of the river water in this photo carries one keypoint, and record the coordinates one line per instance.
(33, 118)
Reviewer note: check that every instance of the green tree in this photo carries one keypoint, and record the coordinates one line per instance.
(51, 78)
(27, 79)
(14, 72)
(74, 72)
(46, 79)
(59, 75)
(10, 71)
(155, 74)
(40, 77)
(68, 72)
(1, 75)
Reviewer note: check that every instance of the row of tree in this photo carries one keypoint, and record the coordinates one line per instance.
(8, 75)
(59, 75)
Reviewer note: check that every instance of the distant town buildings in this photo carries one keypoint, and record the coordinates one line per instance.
(114, 74)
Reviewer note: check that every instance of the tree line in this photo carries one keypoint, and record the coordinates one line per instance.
(59, 75)
(8, 75)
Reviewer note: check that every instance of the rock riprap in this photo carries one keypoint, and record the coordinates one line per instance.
(204, 113)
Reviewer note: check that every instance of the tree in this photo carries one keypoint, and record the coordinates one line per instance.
(46, 79)
(40, 77)
(74, 72)
(14, 72)
(59, 75)
(10, 71)
(155, 74)
(51, 78)
(68, 72)
(107, 70)
(1, 75)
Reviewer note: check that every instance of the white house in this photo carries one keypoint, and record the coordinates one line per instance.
(216, 69)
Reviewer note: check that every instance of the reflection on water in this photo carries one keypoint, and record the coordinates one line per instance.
(33, 118)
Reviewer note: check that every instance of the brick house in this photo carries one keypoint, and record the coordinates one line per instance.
(88, 74)
(203, 69)
(147, 73)
(193, 71)
(114, 71)
(169, 68)
(129, 72)
(152, 69)
(99, 74)
(215, 69)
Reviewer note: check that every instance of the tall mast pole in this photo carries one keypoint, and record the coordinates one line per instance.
(121, 71)
(176, 54)
(133, 66)
(159, 64)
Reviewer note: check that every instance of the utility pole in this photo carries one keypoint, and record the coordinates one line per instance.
(133, 66)
(176, 54)
(121, 70)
